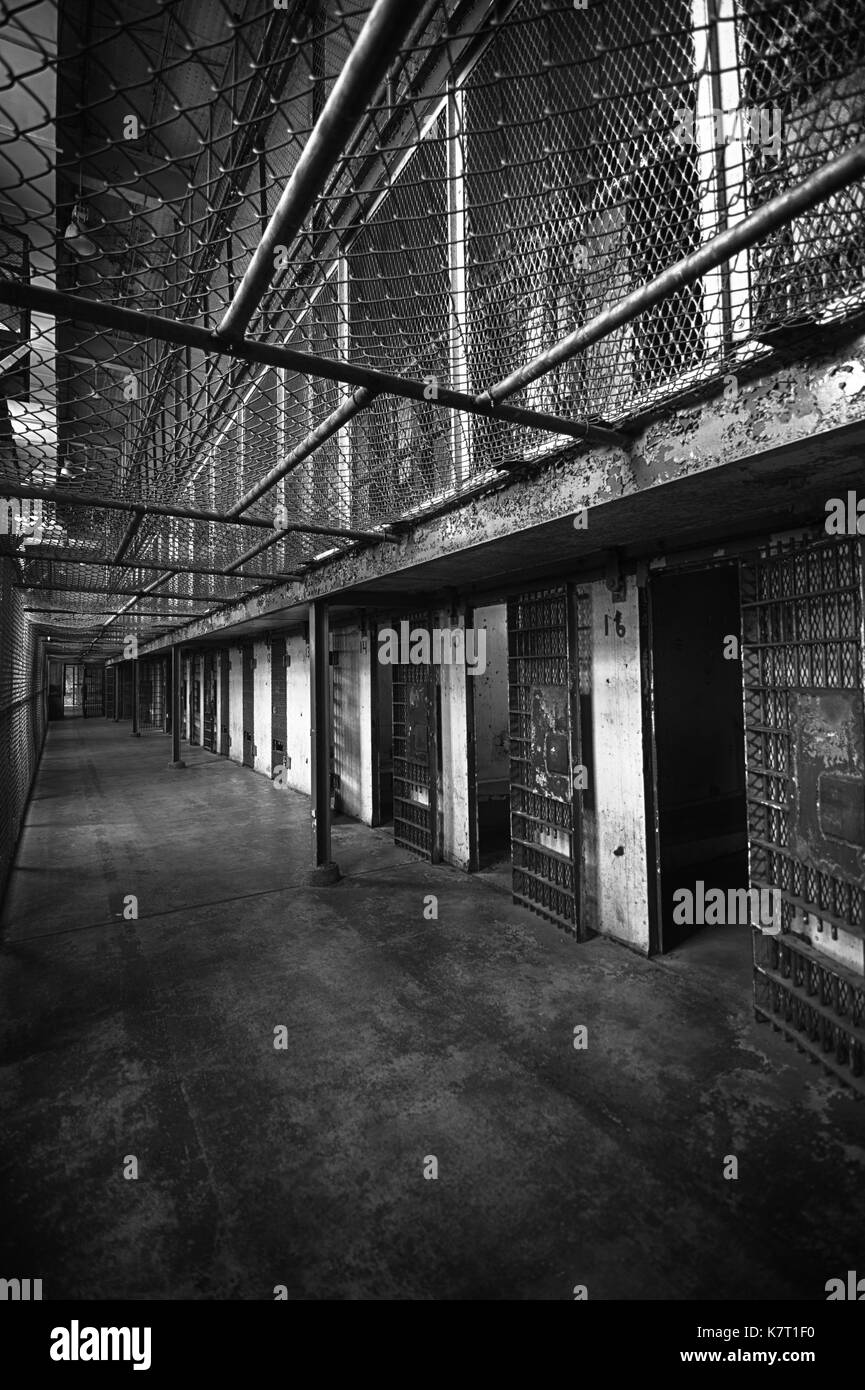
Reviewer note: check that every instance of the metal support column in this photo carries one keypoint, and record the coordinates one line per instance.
(176, 760)
(323, 870)
(117, 685)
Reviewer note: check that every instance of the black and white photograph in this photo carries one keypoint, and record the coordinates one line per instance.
(432, 670)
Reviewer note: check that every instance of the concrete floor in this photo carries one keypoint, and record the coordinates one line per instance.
(406, 1038)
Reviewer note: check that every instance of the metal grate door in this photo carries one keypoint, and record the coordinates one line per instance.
(209, 739)
(195, 675)
(124, 675)
(110, 687)
(248, 676)
(223, 701)
(278, 712)
(151, 696)
(414, 755)
(805, 751)
(544, 735)
(93, 693)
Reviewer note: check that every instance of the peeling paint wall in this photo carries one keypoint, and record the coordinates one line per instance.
(262, 707)
(235, 704)
(297, 713)
(621, 886)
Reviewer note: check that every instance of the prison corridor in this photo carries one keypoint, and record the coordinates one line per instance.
(282, 1063)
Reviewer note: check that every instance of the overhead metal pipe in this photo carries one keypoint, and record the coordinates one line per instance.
(116, 504)
(340, 532)
(129, 534)
(136, 593)
(97, 314)
(140, 594)
(844, 170)
(109, 613)
(182, 567)
(316, 437)
(377, 44)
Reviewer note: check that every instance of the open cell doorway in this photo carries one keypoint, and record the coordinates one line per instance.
(701, 850)
(489, 689)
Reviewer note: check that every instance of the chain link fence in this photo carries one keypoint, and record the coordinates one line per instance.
(520, 168)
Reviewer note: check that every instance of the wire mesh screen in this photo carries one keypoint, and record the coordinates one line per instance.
(23, 712)
(517, 169)
(805, 64)
(805, 731)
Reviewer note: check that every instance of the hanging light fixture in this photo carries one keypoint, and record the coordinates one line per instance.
(75, 235)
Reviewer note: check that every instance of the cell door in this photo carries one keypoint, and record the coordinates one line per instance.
(543, 703)
(415, 755)
(196, 699)
(93, 691)
(278, 710)
(110, 678)
(805, 752)
(248, 676)
(126, 691)
(223, 702)
(210, 701)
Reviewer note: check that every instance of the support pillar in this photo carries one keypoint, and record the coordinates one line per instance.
(324, 870)
(135, 699)
(118, 668)
(176, 760)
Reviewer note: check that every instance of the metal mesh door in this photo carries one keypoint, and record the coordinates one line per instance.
(805, 746)
(223, 702)
(209, 739)
(248, 669)
(151, 696)
(92, 691)
(195, 736)
(544, 734)
(279, 712)
(124, 675)
(414, 758)
(110, 687)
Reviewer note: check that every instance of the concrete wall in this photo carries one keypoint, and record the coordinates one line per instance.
(263, 707)
(351, 686)
(297, 711)
(235, 704)
(617, 882)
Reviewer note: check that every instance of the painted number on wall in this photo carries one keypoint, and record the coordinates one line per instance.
(618, 625)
